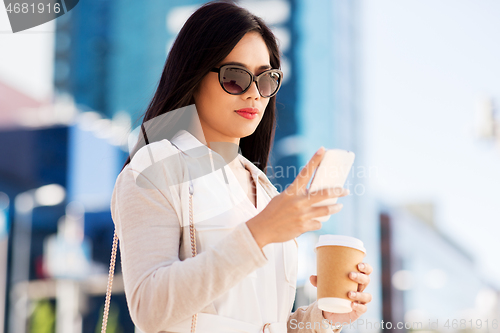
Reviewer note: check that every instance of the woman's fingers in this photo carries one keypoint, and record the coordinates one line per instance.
(323, 211)
(360, 297)
(314, 280)
(360, 278)
(358, 307)
(327, 193)
(300, 183)
(365, 268)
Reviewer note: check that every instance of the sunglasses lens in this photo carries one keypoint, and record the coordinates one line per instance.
(268, 83)
(235, 80)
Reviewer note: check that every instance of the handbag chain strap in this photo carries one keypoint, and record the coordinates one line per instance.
(110, 284)
(192, 230)
(193, 250)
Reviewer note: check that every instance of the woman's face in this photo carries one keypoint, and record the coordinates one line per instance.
(217, 109)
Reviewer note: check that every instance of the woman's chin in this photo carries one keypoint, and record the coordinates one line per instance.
(246, 131)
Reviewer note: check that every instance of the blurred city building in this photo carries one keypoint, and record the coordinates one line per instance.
(328, 48)
(49, 149)
(428, 281)
(487, 126)
(15, 106)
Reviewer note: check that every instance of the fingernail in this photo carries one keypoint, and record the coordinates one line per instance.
(361, 266)
(353, 294)
(354, 275)
(320, 151)
(355, 304)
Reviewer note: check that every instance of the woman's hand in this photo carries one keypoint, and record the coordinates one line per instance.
(289, 214)
(360, 299)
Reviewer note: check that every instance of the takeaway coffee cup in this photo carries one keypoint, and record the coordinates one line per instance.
(337, 256)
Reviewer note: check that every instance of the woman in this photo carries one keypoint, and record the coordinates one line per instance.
(223, 65)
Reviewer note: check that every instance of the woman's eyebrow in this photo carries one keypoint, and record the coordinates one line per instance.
(241, 64)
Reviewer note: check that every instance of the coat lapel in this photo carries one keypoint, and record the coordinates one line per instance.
(193, 148)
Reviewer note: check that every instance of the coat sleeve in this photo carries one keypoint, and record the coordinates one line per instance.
(309, 319)
(160, 289)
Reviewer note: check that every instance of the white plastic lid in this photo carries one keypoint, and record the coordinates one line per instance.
(340, 240)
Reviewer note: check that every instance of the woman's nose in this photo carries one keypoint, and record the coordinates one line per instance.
(252, 91)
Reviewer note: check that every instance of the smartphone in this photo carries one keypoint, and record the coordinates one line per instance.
(331, 172)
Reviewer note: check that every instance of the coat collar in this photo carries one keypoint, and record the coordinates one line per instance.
(191, 146)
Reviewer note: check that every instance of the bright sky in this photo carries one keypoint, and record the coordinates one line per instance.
(26, 57)
(427, 65)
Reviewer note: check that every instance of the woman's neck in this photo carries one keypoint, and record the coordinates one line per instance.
(226, 147)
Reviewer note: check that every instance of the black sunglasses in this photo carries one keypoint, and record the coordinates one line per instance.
(235, 80)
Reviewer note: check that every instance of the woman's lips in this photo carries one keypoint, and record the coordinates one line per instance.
(250, 110)
(248, 113)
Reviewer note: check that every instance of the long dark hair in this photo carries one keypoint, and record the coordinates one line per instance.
(206, 38)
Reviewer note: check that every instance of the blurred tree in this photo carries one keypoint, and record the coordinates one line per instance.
(43, 318)
(113, 324)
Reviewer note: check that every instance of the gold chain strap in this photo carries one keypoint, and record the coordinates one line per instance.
(193, 250)
(110, 284)
(192, 231)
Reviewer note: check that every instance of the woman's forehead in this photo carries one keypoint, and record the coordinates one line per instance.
(261, 67)
(251, 52)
